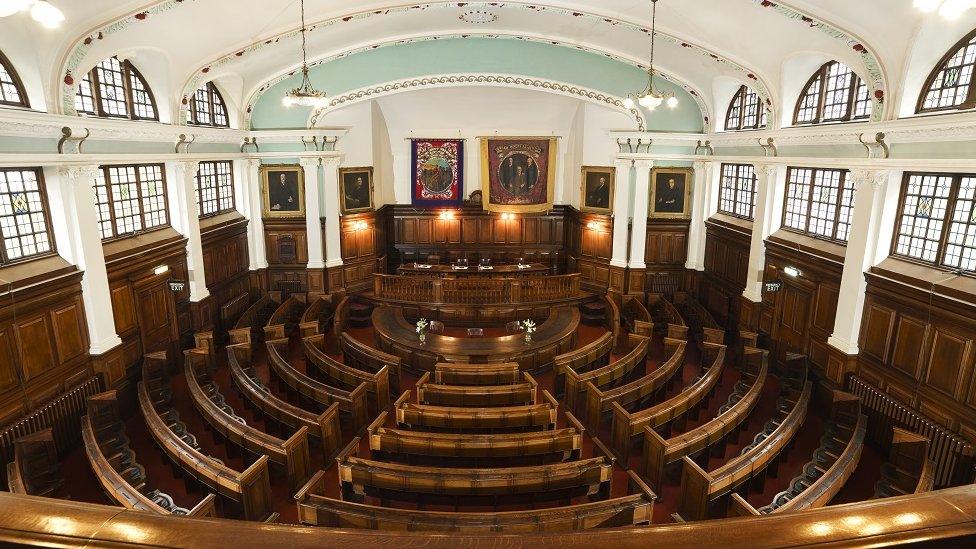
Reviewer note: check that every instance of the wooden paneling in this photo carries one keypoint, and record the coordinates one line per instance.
(589, 244)
(226, 261)
(727, 244)
(286, 246)
(362, 238)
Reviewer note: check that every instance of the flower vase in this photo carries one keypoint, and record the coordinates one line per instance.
(528, 337)
(423, 338)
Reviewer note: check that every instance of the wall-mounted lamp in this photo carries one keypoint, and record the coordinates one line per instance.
(162, 269)
(447, 215)
(360, 226)
(506, 216)
(594, 226)
(791, 271)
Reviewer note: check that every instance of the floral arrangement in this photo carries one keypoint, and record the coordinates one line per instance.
(528, 326)
(422, 325)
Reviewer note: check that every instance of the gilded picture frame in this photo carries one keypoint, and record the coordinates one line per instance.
(670, 193)
(282, 191)
(356, 190)
(518, 174)
(597, 187)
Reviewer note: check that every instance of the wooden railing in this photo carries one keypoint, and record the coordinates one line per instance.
(476, 291)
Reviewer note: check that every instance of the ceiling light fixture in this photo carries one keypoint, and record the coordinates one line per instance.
(950, 9)
(305, 95)
(649, 98)
(41, 11)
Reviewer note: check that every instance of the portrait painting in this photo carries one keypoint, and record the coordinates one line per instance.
(597, 189)
(283, 190)
(518, 173)
(671, 192)
(438, 172)
(355, 190)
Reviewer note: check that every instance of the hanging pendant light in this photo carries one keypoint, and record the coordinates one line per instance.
(649, 98)
(305, 95)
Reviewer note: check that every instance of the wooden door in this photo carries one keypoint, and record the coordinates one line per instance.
(156, 311)
(793, 326)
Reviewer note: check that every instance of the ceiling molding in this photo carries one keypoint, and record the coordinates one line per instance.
(254, 96)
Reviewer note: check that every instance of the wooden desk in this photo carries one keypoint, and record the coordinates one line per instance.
(506, 271)
(398, 337)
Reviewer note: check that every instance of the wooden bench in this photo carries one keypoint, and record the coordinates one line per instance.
(635, 316)
(599, 402)
(659, 453)
(341, 319)
(290, 454)
(616, 373)
(249, 326)
(360, 477)
(287, 313)
(698, 318)
(627, 425)
(232, 310)
(367, 359)
(437, 394)
(535, 417)
(454, 373)
(315, 393)
(332, 371)
(323, 427)
(666, 316)
(908, 469)
(391, 442)
(591, 356)
(318, 315)
(702, 491)
(251, 489)
(122, 479)
(35, 470)
(317, 509)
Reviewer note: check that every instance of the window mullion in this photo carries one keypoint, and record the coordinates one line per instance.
(947, 221)
(130, 106)
(111, 201)
(841, 185)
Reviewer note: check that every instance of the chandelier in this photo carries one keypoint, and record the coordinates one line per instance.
(649, 98)
(305, 95)
(950, 9)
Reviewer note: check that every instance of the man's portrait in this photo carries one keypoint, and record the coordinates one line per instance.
(284, 191)
(356, 190)
(670, 192)
(598, 187)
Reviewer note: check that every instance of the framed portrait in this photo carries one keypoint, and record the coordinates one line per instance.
(355, 190)
(671, 193)
(518, 173)
(283, 187)
(597, 186)
(437, 166)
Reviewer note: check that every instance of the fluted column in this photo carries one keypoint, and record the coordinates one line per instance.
(771, 183)
(185, 218)
(257, 253)
(700, 211)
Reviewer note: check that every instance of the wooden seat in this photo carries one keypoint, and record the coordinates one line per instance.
(437, 394)
(613, 374)
(533, 417)
(329, 370)
(35, 469)
(908, 469)
(453, 373)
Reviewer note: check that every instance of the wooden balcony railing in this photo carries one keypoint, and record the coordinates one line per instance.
(476, 291)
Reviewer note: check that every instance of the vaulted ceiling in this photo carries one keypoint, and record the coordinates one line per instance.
(707, 46)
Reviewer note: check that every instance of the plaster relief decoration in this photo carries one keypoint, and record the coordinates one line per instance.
(355, 190)
(437, 166)
(519, 173)
(671, 193)
(283, 188)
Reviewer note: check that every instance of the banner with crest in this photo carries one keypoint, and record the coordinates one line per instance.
(438, 172)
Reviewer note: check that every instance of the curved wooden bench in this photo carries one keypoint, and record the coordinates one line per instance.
(664, 312)
(318, 315)
(250, 488)
(291, 454)
(249, 326)
(599, 402)
(377, 384)
(591, 356)
(387, 441)
(532, 417)
(518, 394)
(367, 359)
(35, 469)
(323, 427)
(659, 453)
(456, 373)
(908, 470)
(700, 489)
(316, 509)
(352, 403)
(626, 425)
(611, 375)
(698, 317)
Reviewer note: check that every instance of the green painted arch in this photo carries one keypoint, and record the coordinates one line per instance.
(472, 56)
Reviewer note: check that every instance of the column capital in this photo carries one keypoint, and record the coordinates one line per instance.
(252, 163)
(876, 178)
(643, 163)
(623, 162)
(331, 161)
(704, 165)
(310, 163)
(74, 174)
(188, 168)
(763, 170)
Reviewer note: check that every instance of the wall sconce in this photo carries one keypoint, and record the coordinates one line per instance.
(360, 226)
(447, 215)
(792, 272)
(162, 269)
(594, 226)
(506, 216)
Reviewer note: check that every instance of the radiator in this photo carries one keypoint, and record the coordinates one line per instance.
(63, 414)
(953, 455)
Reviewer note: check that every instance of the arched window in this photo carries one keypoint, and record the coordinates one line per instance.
(115, 89)
(11, 89)
(746, 112)
(833, 94)
(207, 108)
(950, 86)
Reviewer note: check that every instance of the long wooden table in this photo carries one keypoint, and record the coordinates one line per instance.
(398, 337)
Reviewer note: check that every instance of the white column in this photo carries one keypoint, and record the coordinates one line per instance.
(184, 217)
(868, 244)
(402, 178)
(642, 191)
(699, 213)
(621, 212)
(255, 221)
(770, 182)
(330, 187)
(313, 215)
(85, 245)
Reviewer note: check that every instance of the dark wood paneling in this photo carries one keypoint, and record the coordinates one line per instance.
(225, 258)
(362, 238)
(727, 244)
(589, 245)
(286, 246)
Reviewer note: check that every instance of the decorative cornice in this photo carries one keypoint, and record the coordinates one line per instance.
(450, 80)
(875, 178)
(256, 94)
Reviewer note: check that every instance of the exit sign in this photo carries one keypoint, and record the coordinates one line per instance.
(773, 286)
(177, 286)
